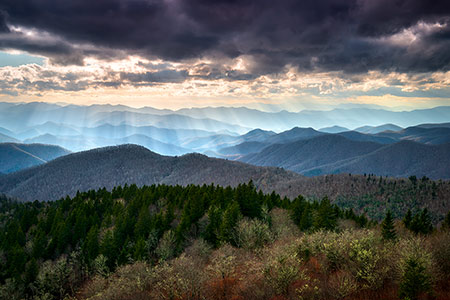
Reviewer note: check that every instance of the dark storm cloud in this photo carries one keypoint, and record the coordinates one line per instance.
(323, 35)
(3, 27)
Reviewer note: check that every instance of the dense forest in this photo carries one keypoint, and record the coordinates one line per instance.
(210, 242)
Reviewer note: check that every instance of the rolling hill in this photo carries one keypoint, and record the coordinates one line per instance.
(334, 129)
(335, 154)
(80, 143)
(401, 159)
(425, 135)
(112, 166)
(303, 155)
(378, 129)
(15, 157)
(132, 164)
(7, 139)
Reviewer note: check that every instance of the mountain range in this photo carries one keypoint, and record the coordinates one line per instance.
(235, 119)
(227, 133)
(132, 164)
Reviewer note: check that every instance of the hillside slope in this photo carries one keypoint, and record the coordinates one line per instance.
(14, 157)
(402, 159)
(113, 166)
(311, 153)
(334, 154)
(132, 164)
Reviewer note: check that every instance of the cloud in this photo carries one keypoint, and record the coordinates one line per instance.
(271, 36)
(164, 76)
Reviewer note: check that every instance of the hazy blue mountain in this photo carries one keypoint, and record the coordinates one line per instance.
(214, 143)
(20, 116)
(173, 136)
(57, 129)
(211, 143)
(113, 166)
(378, 129)
(80, 143)
(14, 156)
(236, 152)
(310, 153)
(401, 159)
(172, 121)
(334, 129)
(345, 117)
(362, 137)
(331, 154)
(28, 133)
(434, 125)
(246, 117)
(6, 131)
(424, 135)
(7, 139)
(258, 135)
(293, 134)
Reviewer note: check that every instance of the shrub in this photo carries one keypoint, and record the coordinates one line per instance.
(342, 284)
(282, 269)
(282, 224)
(180, 278)
(367, 257)
(128, 282)
(223, 262)
(252, 234)
(166, 246)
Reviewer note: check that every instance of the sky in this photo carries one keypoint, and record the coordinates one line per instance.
(290, 54)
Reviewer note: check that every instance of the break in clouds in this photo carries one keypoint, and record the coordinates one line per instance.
(232, 40)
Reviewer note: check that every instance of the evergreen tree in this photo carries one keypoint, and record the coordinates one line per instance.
(421, 223)
(91, 246)
(446, 223)
(297, 208)
(388, 228)
(415, 281)
(425, 220)
(230, 219)
(325, 217)
(407, 219)
(306, 220)
(212, 230)
(140, 250)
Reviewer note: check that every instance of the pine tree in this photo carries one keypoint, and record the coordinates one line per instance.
(230, 218)
(407, 219)
(446, 223)
(388, 228)
(326, 216)
(91, 246)
(421, 223)
(426, 224)
(415, 281)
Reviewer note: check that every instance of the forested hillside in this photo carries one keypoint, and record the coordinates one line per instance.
(131, 164)
(209, 242)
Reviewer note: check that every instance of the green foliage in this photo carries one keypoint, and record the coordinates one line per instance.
(230, 218)
(407, 219)
(446, 222)
(415, 281)
(282, 270)
(421, 223)
(252, 234)
(387, 227)
(108, 229)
